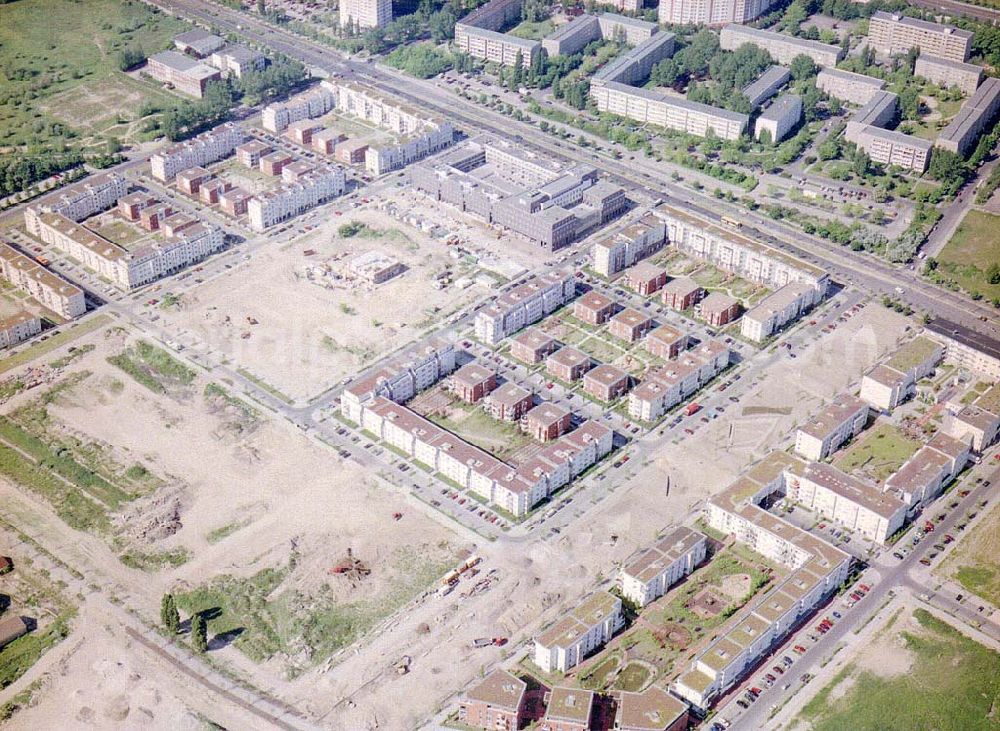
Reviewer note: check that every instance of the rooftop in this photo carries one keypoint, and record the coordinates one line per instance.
(569, 357)
(569, 704)
(843, 408)
(652, 710)
(912, 354)
(959, 333)
(500, 689)
(606, 375)
(850, 488)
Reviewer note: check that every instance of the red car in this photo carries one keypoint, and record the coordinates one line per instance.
(799, 649)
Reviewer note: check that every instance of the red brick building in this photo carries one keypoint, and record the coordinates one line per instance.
(472, 382)
(630, 325)
(211, 191)
(719, 309)
(681, 293)
(152, 218)
(510, 402)
(567, 364)
(546, 422)
(531, 346)
(274, 162)
(234, 202)
(302, 131)
(325, 141)
(496, 703)
(190, 181)
(130, 205)
(593, 308)
(351, 152)
(605, 382)
(249, 153)
(568, 709)
(666, 342)
(645, 278)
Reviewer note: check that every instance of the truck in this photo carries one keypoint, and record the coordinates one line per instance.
(692, 408)
(482, 642)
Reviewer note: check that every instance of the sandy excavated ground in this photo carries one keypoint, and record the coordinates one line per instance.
(307, 336)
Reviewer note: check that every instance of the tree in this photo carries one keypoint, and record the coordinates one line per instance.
(199, 633)
(169, 617)
(765, 137)
(131, 57)
(993, 273)
(946, 166)
(802, 67)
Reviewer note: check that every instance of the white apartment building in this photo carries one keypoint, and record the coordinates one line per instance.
(712, 12)
(80, 201)
(236, 60)
(577, 635)
(47, 288)
(967, 348)
(889, 383)
(730, 250)
(782, 48)
(842, 419)
(778, 309)
(965, 76)
(365, 13)
(308, 105)
(664, 387)
(924, 475)
(976, 426)
(779, 118)
(18, 327)
(292, 199)
(848, 86)
(891, 33)
(630, 245)
(199, 151)
(650, 575)
(523, 305)
(963, 131)
(499, 48)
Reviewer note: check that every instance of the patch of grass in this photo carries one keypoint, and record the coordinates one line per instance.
(879, 453)
(633, 677)
(499, 438)
(975, 562)
(154, 560)
(597, 676)
(224, 531)
(973, 248)
(260, 383)
(72, 355)
(18, 657)
(953, 685)
(153, 367)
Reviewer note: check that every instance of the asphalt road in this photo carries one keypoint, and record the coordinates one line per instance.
(874, 275)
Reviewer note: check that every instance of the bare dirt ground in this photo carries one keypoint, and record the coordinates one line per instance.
(308, 329)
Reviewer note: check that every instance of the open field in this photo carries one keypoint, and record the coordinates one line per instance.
(69, 60)
(314, 322)
(878, 452)
(126, 234)
(474, 425)
(971, 251)
(39, 347)
(919, 674)
(975, 561)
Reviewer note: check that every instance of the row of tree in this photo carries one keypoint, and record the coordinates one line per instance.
(170, 618)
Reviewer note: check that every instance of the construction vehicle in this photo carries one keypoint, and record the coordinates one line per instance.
(397, 516)
(482, 642)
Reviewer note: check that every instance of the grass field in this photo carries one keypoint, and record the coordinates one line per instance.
(952, 685)
(153, 367)
(975, 561)
(533, 31)
(971, 251)
(878, 453)
(499, 438)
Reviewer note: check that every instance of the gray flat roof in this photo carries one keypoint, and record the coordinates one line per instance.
(782, 106)
(774, 76)
(770, 35)
(923, 24)
(966, 336)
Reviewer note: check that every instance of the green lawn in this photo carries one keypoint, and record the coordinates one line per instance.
(533, 31)
(879, 453)
(953, 685)
(499, 438)
(975, 561)
(971, 251)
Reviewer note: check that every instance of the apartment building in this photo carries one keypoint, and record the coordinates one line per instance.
(635, 65)
(890, 33)
(577, 635)
(473, 382)
(733, 252)
(499, 48)
(778, 309)
(568, 364)
(206, 148)
(547, 421)
(976, 426)
(817, 570)
(664, 387)
(325, 141)
(666, 342)
(719, 309)
(632, 30)
(669, 112)
(533, 346)
(766, 85)
(682, 293)
(235, 201)
(180, 247)
(848, 86)
(947, 73)
(47, 288)
(645, 278)
(887, 384)
(198, 43)
(509, 402)
(18, 327)
(779, 118)
(130, 206)
(888, 147)
(963, 131)
(967, 348)
(307, 105)
(605, 382)
(782, 48)
(496, 703)
(568, 709)
(594, 308)
(302, 130)
(651, 710)
(418, 134)
(841, 420)
(82, 200)
(236, 60)
(630, 245)
(292, 199)
(523, 305)
(924, 475)
(649, 575)
(365, 13)
(182, 72)
(401, 378)
(712, 12)
(630, 325)
(571, 37)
